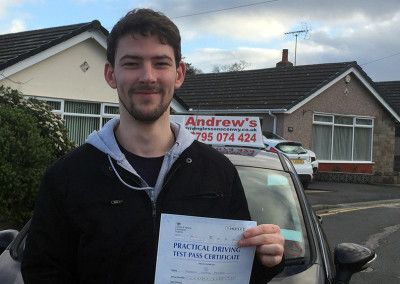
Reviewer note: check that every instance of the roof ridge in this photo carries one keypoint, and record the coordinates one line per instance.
(49, 37)
(84, 26)
(384, 82)
(345, 64)
(49, 29)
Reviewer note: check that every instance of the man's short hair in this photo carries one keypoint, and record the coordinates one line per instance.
(145, 22)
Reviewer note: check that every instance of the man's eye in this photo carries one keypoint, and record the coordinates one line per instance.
(130, 64)
(163, 64)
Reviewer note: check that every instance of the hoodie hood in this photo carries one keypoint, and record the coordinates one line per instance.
(104, 140)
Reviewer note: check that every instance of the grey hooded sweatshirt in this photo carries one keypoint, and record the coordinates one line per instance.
(104, 140)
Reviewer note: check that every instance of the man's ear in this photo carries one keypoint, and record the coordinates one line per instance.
(109, 75)
(181, 72)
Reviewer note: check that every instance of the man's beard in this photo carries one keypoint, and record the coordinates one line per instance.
(145, 116)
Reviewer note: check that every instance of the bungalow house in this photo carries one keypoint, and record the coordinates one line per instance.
(62, 66)
(334, 109)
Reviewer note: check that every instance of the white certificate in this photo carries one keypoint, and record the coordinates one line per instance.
(202, 250)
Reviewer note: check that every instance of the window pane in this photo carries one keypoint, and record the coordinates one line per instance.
(80, 127)
(322, 141)
(344, 120)
(111, 110)
(322, 118)
(363, 121)
(105, 120)
(342, 143)
(84, 108)
(272, 200)
(362, 144)
(54, 105)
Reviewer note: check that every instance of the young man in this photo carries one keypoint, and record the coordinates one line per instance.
(98, 210)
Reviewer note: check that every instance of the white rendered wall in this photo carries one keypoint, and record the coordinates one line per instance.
(60, 75)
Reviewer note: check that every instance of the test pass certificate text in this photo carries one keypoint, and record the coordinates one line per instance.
(202, 250)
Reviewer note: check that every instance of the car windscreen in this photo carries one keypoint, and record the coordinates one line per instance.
(291, 148)
(272, 199)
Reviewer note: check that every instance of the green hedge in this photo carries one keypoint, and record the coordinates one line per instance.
(31, 138)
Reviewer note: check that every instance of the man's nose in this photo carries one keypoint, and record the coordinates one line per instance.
(148, 73)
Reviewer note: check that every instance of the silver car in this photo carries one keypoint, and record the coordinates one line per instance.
(275, 195)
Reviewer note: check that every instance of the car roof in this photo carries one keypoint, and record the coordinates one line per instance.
(271, 135)
(262, 159)
(279, 141)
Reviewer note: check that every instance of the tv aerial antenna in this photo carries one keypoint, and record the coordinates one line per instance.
(304, 30)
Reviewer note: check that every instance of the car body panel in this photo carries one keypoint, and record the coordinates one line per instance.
(314, 161)
(10, 269)
(315, 274)
(260, 160)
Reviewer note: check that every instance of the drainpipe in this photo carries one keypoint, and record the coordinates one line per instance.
(274, 125)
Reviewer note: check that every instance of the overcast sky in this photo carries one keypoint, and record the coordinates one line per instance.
(227, 31)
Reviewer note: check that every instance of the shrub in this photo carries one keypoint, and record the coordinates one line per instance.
(31, 138)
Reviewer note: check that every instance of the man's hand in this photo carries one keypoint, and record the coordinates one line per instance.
(268, 241)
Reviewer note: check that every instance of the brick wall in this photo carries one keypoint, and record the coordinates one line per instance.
(384, 145)
(394, 178)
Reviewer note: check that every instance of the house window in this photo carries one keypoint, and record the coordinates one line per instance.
(108, 112)
(342, 138)
(79, 127)
(82, 118)
(56, 105)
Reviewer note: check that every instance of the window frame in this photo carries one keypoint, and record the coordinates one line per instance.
(61, 112)
(56, 111)
(104, 114)
(354, 125)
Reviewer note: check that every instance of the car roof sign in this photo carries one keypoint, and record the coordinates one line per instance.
(244, 131)
(243, 151)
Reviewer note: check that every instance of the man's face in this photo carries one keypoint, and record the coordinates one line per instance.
(145, 76)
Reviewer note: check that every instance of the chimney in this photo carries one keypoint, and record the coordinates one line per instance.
(285, 61)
